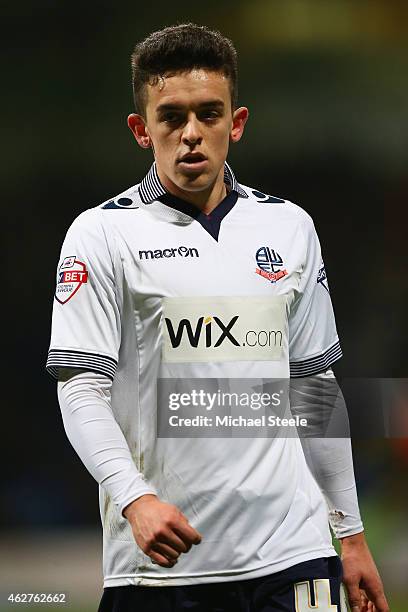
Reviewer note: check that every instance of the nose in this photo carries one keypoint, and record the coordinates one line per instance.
(191, 132)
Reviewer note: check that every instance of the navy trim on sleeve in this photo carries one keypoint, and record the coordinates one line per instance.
(317, 364)
(60, 358)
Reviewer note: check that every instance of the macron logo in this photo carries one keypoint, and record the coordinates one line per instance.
(181, 251)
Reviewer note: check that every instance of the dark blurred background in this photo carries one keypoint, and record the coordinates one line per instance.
(326, 84)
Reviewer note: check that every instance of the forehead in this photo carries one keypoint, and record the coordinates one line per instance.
(196, 86)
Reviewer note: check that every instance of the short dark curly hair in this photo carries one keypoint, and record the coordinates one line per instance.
(181, 48)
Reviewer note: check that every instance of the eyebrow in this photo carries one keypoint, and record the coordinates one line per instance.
(208, 103)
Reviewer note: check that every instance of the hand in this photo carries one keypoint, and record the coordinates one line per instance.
(160, 529)
(361, 577)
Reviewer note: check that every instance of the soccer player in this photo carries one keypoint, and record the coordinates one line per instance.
(189, 275)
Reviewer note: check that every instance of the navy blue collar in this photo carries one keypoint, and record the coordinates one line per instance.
(212, 222)
(151, 187)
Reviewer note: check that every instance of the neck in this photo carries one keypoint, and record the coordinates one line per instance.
(206, 200)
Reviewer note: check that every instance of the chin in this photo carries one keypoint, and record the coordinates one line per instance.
(194, 182)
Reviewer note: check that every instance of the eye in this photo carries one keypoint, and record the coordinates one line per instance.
(171, 117)
(209, 115)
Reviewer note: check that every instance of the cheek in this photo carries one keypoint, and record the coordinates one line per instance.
(163, 144)
(220, 140)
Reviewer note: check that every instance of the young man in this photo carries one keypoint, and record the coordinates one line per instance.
(190, 276)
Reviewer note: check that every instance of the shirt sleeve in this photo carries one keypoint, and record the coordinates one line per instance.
(313, 341)
(330, 460)
(86, 312)
(85, 402)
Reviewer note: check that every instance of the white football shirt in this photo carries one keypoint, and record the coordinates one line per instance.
(148, 287)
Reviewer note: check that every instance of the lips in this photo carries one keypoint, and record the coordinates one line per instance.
(192, 158)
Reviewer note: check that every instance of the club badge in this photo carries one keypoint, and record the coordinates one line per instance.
(269, 264)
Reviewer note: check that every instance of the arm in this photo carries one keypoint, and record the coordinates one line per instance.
(159, 528)
(331, 463)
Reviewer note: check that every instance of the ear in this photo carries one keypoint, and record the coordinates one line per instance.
(139, 130)
(239, 119)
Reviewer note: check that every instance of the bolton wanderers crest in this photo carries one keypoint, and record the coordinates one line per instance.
(269, 264)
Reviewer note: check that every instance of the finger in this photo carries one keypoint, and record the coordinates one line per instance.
(375, 593)
(364, 603)
(187, 533)
(198, 535)
(369, 606)
(166, 551)
(377, 597)
(174, 541)
(160, 559)
(354, 595)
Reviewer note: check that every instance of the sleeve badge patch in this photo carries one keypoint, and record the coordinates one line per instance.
(71, 275)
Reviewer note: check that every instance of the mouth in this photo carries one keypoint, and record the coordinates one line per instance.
(194, 161)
